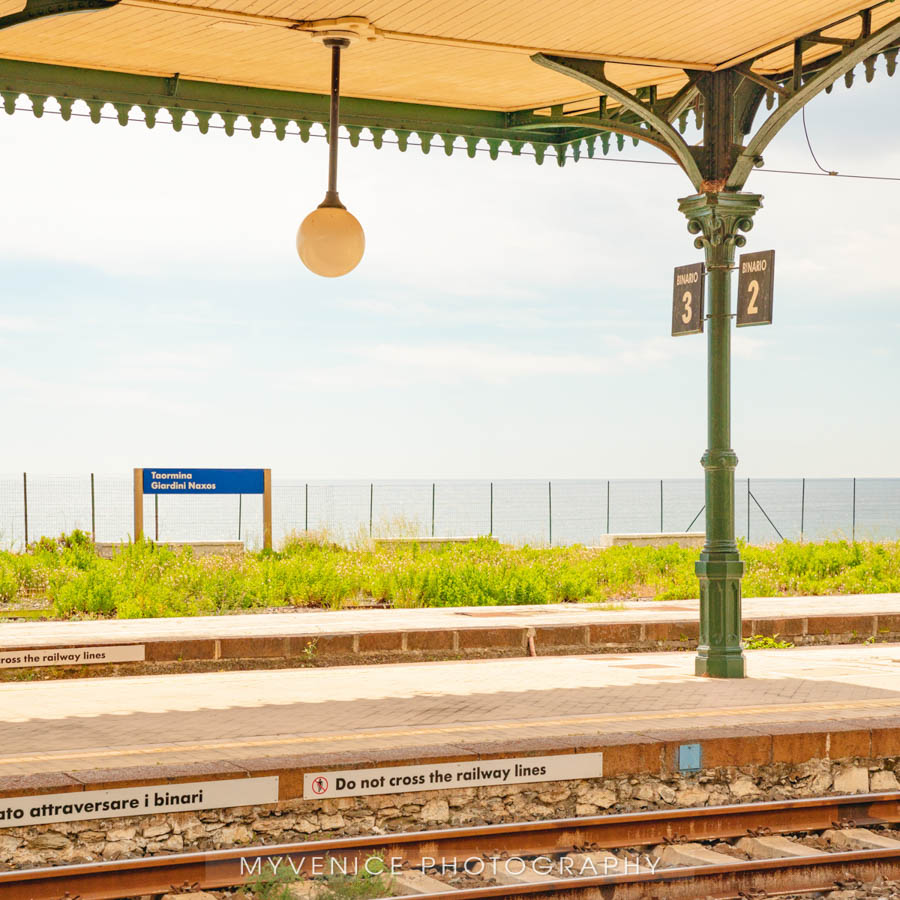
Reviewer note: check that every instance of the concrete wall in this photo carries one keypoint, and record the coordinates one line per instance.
(200, 548)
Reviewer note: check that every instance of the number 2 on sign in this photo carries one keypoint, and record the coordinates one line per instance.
(752, 308)
(687, 314)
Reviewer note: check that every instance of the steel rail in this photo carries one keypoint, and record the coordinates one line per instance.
(773, 876)
(222, 868)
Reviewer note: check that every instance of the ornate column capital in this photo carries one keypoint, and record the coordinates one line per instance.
(719, 217)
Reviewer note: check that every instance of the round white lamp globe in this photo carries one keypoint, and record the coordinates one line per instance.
(330, 241)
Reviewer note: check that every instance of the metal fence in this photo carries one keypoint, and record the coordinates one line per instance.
(555, 512)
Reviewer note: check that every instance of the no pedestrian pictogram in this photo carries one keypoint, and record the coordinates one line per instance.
(320, 785)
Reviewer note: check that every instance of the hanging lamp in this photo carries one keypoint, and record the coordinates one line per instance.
(330, 240)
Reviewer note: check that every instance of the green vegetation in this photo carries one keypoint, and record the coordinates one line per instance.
(762, 642)
(271, 884)
(370, 882)
(152, 580)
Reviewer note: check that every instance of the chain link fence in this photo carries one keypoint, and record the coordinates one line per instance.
(517, 512)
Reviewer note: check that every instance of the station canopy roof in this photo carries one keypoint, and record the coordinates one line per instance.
(467, 56)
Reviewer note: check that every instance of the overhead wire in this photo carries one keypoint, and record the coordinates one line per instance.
(824, 173)
(812, 152)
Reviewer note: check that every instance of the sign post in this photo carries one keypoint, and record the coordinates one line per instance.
(138, 504)
(203, 482)
(267, 509)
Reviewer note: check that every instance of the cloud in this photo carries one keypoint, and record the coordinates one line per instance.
(389, 364)
(18, 324)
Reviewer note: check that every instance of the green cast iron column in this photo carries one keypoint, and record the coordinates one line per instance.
(717, 218)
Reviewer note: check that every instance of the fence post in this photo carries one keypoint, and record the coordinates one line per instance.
(854, 510)
(371, 502)
(491, 531)
(550, 509)
(93, 512)
(661, 529)
(607, 506)
(748, 510)
(25, 501)
(802, 507)
(306, 506)
(432, 509)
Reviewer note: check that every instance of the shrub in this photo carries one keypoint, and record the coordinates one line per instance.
(145, 579)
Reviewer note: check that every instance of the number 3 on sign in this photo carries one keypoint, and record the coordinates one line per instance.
(756, 275)
(687, 299)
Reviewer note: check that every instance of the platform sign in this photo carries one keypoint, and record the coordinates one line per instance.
(141, 800)
(71, 656)
(452, 775)
(203, 481)
(185, 482)
(687, 300)
(756, 274)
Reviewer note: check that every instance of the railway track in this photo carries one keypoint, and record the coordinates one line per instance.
(685, 853)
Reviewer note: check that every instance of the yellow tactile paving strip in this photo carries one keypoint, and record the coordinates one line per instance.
(109, 723)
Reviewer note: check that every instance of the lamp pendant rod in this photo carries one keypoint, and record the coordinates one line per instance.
(333, 118)
(336, 45)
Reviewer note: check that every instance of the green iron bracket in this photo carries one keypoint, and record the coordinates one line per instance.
(865, 48)
(723, 161)
(653, 127)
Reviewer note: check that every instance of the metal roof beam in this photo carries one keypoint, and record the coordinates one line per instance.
(865, 46)
(592, 73)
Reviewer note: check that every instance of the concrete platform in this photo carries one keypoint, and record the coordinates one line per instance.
(613, 730)
(236, 721)
(384, 635)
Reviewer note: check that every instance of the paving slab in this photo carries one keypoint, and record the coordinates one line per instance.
(319, 622)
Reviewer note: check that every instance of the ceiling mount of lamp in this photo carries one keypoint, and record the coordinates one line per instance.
(330, 240)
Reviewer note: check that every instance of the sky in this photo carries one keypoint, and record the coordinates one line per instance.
(508, 320)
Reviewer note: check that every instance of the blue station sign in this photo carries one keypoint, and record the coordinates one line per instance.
(203, 481)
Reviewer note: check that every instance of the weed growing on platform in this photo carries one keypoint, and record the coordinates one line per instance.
(148, 580)
(763, 642)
